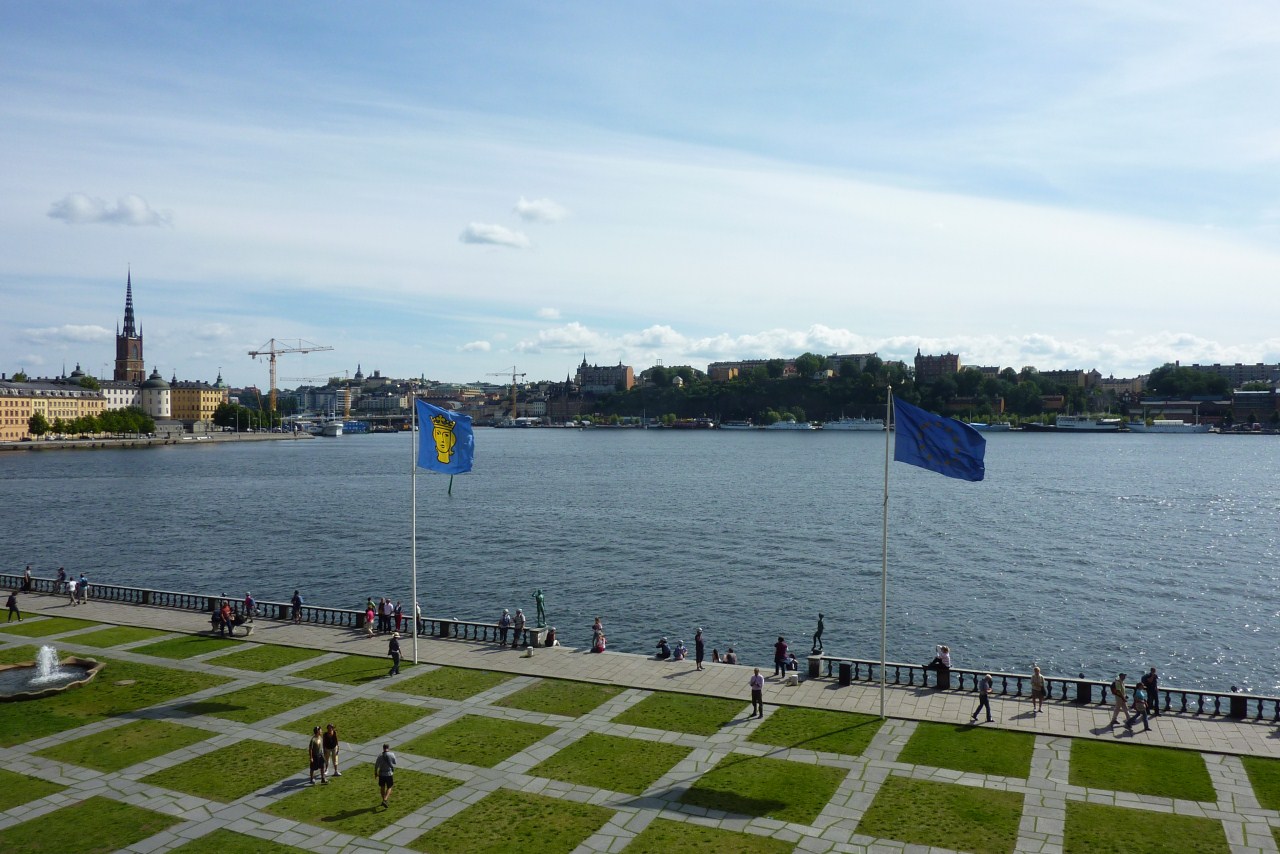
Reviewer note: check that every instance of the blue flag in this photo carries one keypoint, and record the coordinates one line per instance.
(943, 445)
(445, 441)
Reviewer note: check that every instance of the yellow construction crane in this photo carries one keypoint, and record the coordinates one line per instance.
(513, 376)
(275, 348)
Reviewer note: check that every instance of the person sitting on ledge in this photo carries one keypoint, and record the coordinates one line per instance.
(664, 650)
(730, 657)
(550, 639)
(679, 653)
(793, 663)
(715, 656)
(941, 661)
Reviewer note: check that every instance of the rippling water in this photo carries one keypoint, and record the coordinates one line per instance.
(1080, 553)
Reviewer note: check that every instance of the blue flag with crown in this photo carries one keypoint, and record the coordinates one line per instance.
(944, 445)
(446, 442)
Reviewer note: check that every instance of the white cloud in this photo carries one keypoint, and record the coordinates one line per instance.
(80, 209)
(539, 210)
(571, 336)
(212, 331)
(548, 314)
(475, 347)
(494, 235)
(68, 333)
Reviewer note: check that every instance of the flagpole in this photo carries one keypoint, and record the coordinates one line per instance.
(884, 544)
(413, 547)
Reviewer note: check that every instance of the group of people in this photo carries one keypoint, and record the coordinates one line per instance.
(77, 589)
(322, 754)
(598, 640)
(1142, 707)
(383, 616)
(680, 652)
(508, 624)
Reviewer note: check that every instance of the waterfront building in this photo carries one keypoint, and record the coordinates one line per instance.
(930, 368)
(193, 402)
(606, 379)
(121, 394)
(155, 397)
(129, 364)
(52, 399)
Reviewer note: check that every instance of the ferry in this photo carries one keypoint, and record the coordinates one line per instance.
(846, 423)
(1167, 425)
(790, 424)
(737, 425)
(994, 427)
(1086, 424)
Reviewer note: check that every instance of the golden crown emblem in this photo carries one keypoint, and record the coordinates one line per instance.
(443, 423)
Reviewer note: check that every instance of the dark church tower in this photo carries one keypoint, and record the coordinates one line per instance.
(129, 366)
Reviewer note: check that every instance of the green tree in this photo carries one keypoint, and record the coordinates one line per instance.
(808, 364)
(90, 383)
(1256, 385)
(38, 425)
(776, 368)
(20, 377)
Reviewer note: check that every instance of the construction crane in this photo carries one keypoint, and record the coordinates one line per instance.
(514, 376)
(275, 348)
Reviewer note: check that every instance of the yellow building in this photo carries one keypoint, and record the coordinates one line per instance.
(53, 400)
(190, 402)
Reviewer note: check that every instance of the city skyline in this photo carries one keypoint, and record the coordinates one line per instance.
(449, 190)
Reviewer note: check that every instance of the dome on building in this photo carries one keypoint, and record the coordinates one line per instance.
(359, 377)
(221, 383)
(77, 373)
(155, 380)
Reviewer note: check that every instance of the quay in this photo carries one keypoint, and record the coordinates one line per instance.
(157, 440)
(1048, 792)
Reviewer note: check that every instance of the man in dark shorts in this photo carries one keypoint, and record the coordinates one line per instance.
(315, 756)
(1151, 681)
(384, 768)
(296, 601)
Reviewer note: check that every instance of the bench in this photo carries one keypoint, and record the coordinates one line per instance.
(215, 626)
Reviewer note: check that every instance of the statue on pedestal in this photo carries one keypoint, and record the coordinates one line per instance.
(817, 637)
(540, 601)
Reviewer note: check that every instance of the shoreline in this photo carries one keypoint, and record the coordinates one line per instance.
(147, 442)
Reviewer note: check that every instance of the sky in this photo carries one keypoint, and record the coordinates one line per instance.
(460, 190)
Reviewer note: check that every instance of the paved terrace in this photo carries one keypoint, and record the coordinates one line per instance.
(1046, 791)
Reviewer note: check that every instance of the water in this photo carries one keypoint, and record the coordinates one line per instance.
(47, 672)
(1081, 553)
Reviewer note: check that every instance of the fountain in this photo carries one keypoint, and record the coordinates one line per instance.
(46, 675)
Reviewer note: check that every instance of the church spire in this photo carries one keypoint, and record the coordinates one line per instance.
(129, 331)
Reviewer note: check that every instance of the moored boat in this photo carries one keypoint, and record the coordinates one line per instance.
(1087, 424)
(854, 424)
(790, 424)
(1167, 425)
(736, 425)
(994, 427)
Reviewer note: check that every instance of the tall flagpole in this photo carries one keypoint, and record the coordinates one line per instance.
(413, 547)
(884, 543)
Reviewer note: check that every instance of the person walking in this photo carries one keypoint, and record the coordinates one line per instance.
(384, 770)
(368, 620)
(1151, 681)
(330, 741)
(699, 648)
(756, 682)
(519, 628)
(60, 583)
(1119, 700)
(296, 601)
(71, 592)
(504, 625)
(399, 615)
(780, 656)
(250, 607)
(393, 650)
(1037, 690)
(985, 685)
(1139, 709)
(82, 589)
(26, 579)
(315, 756)
(12, 605)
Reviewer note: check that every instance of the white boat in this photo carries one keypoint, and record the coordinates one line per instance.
(994, 427)
(1086, 424)
(736, 425)
(331, 428)
(1167, 425)
(789, 424)
(846, 423)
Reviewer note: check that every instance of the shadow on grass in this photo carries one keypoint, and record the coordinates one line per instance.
(731, 802)
(211, 707)
(346, 814)
(874, 723)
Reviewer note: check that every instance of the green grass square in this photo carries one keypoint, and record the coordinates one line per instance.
(116, 635)
(352, 670)
(773, 788)
(262, 658)
(16, 789)
(451, 683)
(560, 697)
(944, 815)
(94, 826)
(229, 842)
(119, 688)
(663, 836)
(847, 733)
(18, 654)
(1140, 768)
(233, 772)
(973, 749)
(256, 703)
(341, 805)
(1101, 829)
(1264, 774)
(682, 713)
(506, 821)
(612, 762)
(125, 745)
(187, 646)
(360, 721)
(44, 626)
(478, 740)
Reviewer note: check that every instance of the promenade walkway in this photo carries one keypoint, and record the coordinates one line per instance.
(1047, 797)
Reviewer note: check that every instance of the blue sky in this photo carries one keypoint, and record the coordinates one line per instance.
(453, 189)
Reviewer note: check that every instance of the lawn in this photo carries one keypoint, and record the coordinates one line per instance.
(352, 670)
(972, 749)
(261, 657)
(362, 720)
(44, 626)
(106, 696)
(116, 635)
(515, 821)
(18, 654)
(125, 745)
(1264, 774)
(259, 702)
(478, 740)
(228, 842)
(351, 803)
(18, 789)
(1141, 769)
(234, 771)
(663, 836)
(1100, 829)
(89, 827)
(944, 815)
(451, 683)
(611, 762)
(187, 646)
(682, 713)
(847, 733)
(774, 788)
(560, 697)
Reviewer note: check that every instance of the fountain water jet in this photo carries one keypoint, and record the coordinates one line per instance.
(44, 676)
